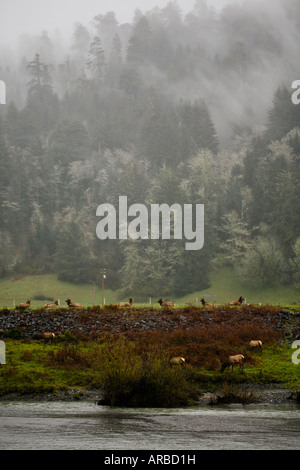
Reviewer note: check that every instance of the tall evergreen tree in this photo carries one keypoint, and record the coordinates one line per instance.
(73, 255)
(140, 44)
(283, 116)
(96, 60)
(196, 129)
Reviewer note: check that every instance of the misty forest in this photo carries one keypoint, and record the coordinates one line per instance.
(172, 108)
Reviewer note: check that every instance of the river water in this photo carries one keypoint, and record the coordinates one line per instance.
(87, 426)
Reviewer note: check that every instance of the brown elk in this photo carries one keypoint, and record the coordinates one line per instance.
(22, 306)
(237, 302)
(166, 304)
(52, 304)
(48, 337)
(73, 304)
(177, 360)
(256, 344)
(206, 304)
(125, 304)
(232, 361)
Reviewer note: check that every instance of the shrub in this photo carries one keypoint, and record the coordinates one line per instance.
(15, 333)
(131, 379)
(67, 336)
(67, 356)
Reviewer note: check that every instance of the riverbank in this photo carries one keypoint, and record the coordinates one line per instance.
(261, 395)
(126, 354)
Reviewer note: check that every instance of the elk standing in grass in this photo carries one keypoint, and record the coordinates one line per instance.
(256, 344)
(177, 360)
(237, 360)
(48, 337)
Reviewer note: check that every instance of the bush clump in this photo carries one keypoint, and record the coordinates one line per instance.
(133, 380)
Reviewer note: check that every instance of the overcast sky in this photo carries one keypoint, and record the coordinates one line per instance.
(34, 16)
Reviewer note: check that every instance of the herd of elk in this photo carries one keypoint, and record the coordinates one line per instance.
(231, 361)
(239, 359)
(234, 302)
(125, 304)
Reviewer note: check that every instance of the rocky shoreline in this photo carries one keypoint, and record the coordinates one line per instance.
(261, 395)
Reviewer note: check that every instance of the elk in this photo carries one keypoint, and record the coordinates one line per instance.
(165, 304)
(256, 344)
(73, 304)
(206, 304)
(238, 359)
(48, 337)
(52, 304)
(237, 302)
(26, 305)
(125, 304)
(177, 360)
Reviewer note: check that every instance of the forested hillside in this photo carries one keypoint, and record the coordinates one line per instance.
(172, 108)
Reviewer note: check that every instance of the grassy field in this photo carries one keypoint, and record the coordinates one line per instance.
(225, 286)
(34, 368)
(22, 288)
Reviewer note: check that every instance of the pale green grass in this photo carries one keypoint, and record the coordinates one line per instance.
(20, 289)
(225, 286)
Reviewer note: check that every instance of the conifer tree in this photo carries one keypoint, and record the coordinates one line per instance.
(96, 60)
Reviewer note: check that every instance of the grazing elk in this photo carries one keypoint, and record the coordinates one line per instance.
(165, 304)
(177, 360)
(73, 304)
(232, 361)
(237, 302)
(125, 304)
(48, 337)
(206, 304)
(23, 306)
(256, 344)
